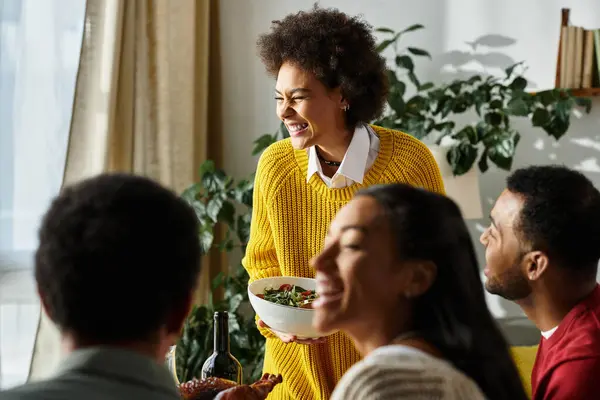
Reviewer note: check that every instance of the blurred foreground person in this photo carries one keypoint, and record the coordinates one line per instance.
(116, 267)
(399, 275)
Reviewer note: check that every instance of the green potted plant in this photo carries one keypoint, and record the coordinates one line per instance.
(431, 111)
(219, 200)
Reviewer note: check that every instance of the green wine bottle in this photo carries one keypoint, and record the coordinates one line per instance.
(221, 363)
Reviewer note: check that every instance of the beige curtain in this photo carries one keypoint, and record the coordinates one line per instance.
(142, 106)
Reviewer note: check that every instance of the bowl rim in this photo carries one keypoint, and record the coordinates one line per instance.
(275, 304)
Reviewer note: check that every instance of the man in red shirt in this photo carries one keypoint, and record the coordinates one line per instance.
(542, 251)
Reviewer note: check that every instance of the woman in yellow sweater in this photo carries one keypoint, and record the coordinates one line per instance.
(330, 82)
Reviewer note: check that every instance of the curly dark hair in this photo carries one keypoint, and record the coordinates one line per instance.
(118, 256)
(339, 50)
(560, 215)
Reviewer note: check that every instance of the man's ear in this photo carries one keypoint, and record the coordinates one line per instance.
(536, 263)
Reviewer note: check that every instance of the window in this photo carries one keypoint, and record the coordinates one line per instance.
(40, 43)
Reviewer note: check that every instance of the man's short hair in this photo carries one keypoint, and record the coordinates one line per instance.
(560, 215)
(117, 254)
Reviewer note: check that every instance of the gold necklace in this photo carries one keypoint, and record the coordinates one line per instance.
(327, 162)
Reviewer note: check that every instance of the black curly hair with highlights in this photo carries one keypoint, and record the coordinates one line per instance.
(338, 49)
(560, 214)
(118, 259)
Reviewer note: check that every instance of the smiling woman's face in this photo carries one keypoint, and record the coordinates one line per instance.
(308, 108)
(358, 274)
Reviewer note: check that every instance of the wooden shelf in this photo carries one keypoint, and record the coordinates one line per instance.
(591, 92)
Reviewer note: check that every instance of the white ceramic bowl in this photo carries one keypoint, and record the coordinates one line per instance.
(284, 319)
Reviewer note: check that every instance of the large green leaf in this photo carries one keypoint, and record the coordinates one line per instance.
(518, 84)
(462, 157)
(413, 28)
(207, 167)
(234, 302)
(242, 193)
(213, 181)
(562, 109)
(405, 62)
(262, 143)
(415, 81)
(540, 117)
(243, 227)
(384, 45)
(213, 208)
(217, 281)
(445, 127)
(468, 134)
(518, 106)
(396, 102)
(227, 214)
(200, 210)
(557, 127)
(419, 52)
(496, 104)
(426, 86)
(509, 71)
(191, 193)
(482, 163)
(493, 118)
(500, 146)
(206, 237)
(548, 97)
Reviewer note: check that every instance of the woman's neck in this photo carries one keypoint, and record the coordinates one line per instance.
(335, 147)
(382, 332)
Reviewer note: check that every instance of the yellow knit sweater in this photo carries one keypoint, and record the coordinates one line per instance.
(289, 221)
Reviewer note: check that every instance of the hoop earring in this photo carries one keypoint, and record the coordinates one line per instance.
(346, 108)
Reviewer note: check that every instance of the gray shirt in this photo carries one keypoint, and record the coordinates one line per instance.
(101, 374)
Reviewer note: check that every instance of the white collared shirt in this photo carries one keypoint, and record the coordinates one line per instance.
(360, 156)
(548, 333)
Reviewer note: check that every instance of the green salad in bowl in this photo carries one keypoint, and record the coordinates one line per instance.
(284, 304)
(289, 295)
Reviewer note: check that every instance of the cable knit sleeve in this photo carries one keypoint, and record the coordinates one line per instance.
(261, 256)
(421, 168)
(428, 175)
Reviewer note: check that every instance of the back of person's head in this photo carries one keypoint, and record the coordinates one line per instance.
(452, 314)
(560, 216)
(118, 260)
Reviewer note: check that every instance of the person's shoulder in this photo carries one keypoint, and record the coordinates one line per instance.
(276, 154)
(391, 366)
(34, 391)
(408, 152)
(276, 166)
(580, 338)
(411, 161)
(404, 143)
(575, 379)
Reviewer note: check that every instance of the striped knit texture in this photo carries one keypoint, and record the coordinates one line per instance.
(290, 218)
(399, 372)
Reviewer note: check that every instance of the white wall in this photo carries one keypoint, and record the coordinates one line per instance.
(249, 108)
